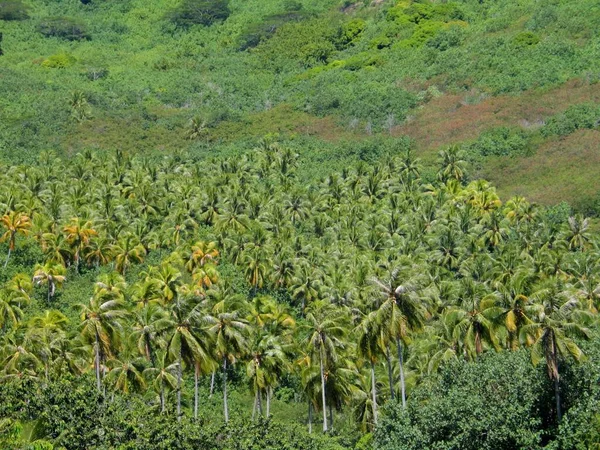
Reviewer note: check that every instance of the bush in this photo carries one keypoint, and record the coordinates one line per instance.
(259, 32)
(499, 402)
(64, 28)
(200, 12)
(59, 61)
(526, 39)
(501, 141)
(576, 117)
(13, 10)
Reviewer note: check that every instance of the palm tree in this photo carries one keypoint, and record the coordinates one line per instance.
(162, 375)
(229, 331)
(557, 318)
(100, 324)
(369, 345)
(186, 345)
(325, 330)
(149, 324)
(125, 373)
(401, 312)
(15, 223)
(197, 128)
(52, 275)
(127, 251)
(267, 361)
(452, 164)
(78, 235)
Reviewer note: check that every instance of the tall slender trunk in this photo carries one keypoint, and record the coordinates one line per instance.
(254, 406)
(98, 363)
(374, 392)
(323, 395)
(268, 401)
(390, 371)
(7, 257)
(212, 384)
(179, 370)
(259, 402)
(309, 417)
(148, 344)
(162, 396)
(331, 415)
(196, 371)
(556, 381)
(401, 362)
(225, 407)
(557, 395)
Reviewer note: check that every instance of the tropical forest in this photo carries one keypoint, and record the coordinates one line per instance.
(299, 224)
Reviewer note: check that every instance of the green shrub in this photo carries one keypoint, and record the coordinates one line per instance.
(501, 141)
(59, 61)
(526, 39)
(262, 31)
(576, 117)
(63, 27)
(447, 38)
(352, 31)
(200, 12)
(499, 402)
(13, 10)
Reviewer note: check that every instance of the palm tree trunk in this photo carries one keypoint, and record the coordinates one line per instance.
(268, 401)
(196, 370)
(331, 415)
(179, 370)
(323, 395)
(390, 371)
(225, 407)
(149, 353)
(374, 392)
(98, 363)
(309, 417)
(254, 406)
(212, 384)
(556, 381)
(7, 257)
(162, 396)
(401, 362)
(259, 402)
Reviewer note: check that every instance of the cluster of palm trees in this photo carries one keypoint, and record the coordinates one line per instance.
(379, 276)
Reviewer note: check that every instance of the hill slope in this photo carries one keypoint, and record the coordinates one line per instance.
(132, 75)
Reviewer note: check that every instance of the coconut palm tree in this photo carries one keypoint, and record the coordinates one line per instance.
(185, 344)
(15, 223)
(230, 333)
(401, 311)
(127, 251)
(101, 321)
(557, 318)
(162, 376)
(325, 330)
(78, 235)
(52, 275)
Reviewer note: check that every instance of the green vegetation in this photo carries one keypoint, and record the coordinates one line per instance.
(264, 224)
(353, 69)
(163, 290)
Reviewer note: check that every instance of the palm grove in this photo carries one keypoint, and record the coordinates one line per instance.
(353, 290)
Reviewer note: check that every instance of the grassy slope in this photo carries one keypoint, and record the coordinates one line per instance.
(158, 78)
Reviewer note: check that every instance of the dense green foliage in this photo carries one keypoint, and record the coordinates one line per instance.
(156, 283)
(217, 235)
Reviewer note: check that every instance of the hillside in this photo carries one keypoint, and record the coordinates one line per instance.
(327, 75)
